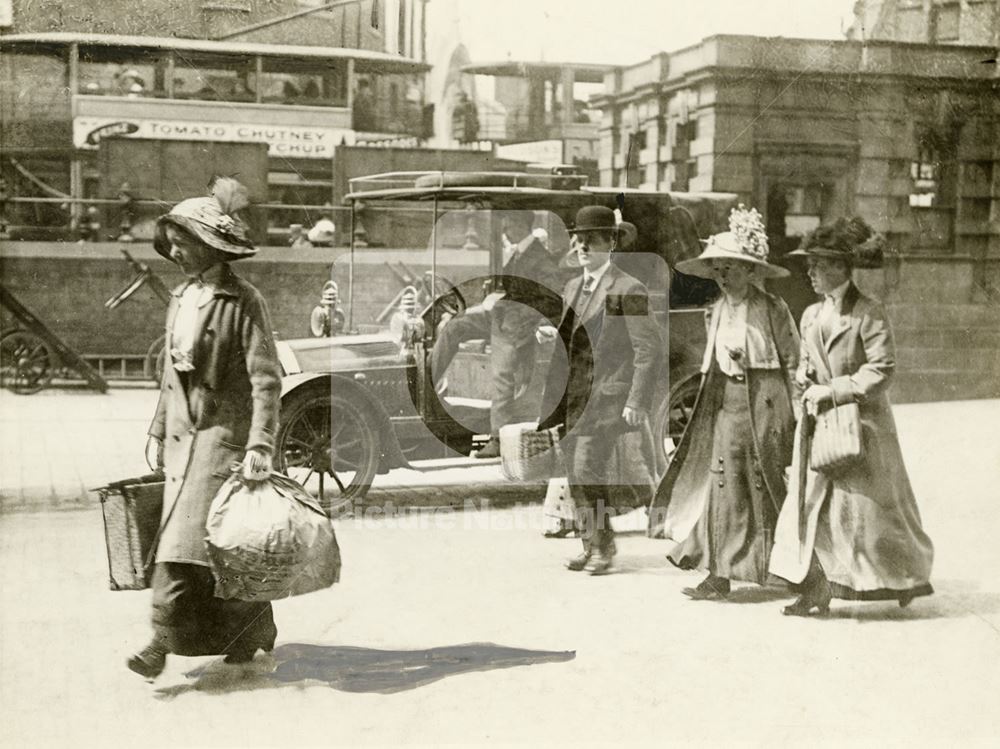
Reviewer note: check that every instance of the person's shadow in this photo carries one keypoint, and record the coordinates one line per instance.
(354, 669)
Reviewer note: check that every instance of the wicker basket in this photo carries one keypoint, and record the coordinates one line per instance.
(527, 454)
(131, 511)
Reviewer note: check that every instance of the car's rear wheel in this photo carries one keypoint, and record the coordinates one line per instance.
(675, 413)
(327, 443)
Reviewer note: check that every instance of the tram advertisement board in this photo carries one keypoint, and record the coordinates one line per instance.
(282, 140)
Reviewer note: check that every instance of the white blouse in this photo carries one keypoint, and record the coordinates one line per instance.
(731, 338)
(184, 332)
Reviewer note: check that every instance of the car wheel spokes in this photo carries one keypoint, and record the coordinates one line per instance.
(328, 435)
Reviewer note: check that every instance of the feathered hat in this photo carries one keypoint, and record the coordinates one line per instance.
(745, 241)
(850, 239)
(211, 219)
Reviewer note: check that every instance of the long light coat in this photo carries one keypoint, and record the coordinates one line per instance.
(230, 405)
(772, 354)
(863, 523)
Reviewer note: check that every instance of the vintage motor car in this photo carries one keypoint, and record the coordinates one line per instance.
(358, 400)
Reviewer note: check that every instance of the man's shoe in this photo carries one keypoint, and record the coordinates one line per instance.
(599, 564)
(490, 450)
(578, 563)
(561, 533)
(148, 662)
(712, 588)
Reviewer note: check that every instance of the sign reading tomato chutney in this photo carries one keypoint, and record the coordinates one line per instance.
(282, 140)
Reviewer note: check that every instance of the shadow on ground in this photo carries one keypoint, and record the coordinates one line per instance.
(952, 599)
(353, 669)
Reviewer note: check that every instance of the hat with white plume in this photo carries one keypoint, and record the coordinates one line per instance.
(213, 219)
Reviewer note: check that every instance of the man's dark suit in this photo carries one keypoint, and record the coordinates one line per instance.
(615, 354)
(530, 281)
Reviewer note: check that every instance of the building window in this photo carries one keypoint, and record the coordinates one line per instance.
(376, 17)
(925, 173)
(945, 23)
(401, 31)
(803, 209)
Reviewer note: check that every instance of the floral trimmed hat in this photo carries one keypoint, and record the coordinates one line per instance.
(211, 219)
(745, 241)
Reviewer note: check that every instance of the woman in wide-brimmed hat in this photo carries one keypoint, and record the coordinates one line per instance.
(724, 487)
(218, 406)
(860, 535)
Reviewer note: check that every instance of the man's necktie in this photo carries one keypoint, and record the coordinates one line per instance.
(589, 282)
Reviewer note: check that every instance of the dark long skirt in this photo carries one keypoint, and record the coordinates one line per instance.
(189, 620)
(733, 536)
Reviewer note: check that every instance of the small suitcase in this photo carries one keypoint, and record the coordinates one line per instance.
(131, 510)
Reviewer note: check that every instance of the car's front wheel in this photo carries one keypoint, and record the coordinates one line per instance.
(327, 443)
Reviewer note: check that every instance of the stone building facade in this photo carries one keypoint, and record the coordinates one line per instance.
(969, 22)
(905, 135)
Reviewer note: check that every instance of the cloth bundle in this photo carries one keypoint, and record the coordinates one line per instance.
(268, 540)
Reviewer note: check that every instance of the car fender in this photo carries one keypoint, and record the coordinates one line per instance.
(392, 455)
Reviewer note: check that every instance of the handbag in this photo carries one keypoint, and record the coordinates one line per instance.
(836, 441)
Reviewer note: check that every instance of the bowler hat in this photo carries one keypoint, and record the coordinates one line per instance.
(593, 218)
(211, 220)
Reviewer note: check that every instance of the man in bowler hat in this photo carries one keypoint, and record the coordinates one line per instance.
(614, 350)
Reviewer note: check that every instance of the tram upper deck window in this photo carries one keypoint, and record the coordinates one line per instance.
(40, 93)
(319, 83)
(214, 78)
(116, 72)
